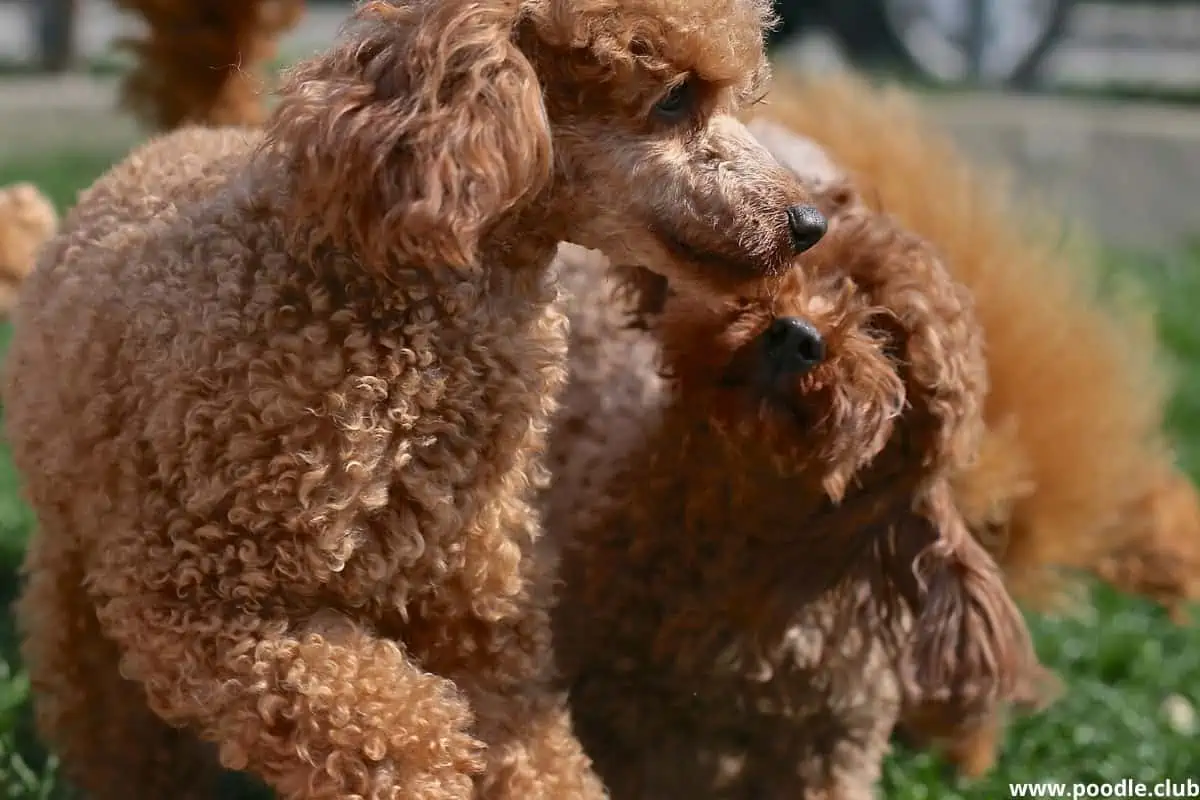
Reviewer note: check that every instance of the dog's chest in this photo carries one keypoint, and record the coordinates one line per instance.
(822, 655)
(453, 433)
(744, 719)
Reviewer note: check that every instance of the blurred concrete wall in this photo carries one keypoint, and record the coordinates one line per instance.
(1131, 172)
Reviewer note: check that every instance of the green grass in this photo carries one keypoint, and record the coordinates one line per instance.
(1121, 662)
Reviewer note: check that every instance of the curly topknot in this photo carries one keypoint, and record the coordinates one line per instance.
(202, 61)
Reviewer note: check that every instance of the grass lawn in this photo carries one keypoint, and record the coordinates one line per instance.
(1125, 664)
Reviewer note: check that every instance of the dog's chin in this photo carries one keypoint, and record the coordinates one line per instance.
(804, 437)
(790, 417)
(783, 424)
(697, 259)
(836, 446)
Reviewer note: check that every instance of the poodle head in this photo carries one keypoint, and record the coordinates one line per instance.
(864, 356)
(438, 128)
(852, 387)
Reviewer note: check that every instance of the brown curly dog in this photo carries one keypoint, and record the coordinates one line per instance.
(770, 566)
(1060, 488)
(279, 398)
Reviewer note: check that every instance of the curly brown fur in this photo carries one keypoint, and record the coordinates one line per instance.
(202, 61)
(1059, 486)
(27, 220)
(757, 576)
(279, 397)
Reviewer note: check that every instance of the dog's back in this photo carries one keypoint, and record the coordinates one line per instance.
(154, 180)
(77, 372)
(83, 298)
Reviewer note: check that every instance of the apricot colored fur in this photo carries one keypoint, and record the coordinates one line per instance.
(27, 220)
(751, 593)
(203, 61)
(279, 397)
(1161, 559)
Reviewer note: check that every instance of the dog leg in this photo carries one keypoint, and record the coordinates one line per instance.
(532, 750)
(108, 741)
(1159, 557)
(323, 711)
(495, 643)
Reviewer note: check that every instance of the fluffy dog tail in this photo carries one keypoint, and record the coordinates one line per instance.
(198, 62)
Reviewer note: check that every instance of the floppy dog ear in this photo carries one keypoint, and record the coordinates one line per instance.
(970, 649)
(415, 133)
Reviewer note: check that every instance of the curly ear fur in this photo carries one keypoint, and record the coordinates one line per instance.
(415, 134)
(970, 649)
(941, 349)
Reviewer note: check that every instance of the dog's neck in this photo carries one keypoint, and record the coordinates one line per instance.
(698, 491)
(514, 255)
(728, 533)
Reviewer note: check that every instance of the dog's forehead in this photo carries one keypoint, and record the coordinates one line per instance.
(719, 40)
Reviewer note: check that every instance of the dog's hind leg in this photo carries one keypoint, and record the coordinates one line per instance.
(108, 741)
(1159, 555)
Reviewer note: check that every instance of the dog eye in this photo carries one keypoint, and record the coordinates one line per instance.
(678, 102)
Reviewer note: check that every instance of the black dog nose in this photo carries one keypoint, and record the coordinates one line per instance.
(807, 225)
(793, 345)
